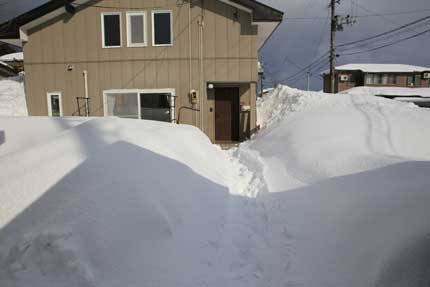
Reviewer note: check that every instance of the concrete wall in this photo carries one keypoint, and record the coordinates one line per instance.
(229, 51)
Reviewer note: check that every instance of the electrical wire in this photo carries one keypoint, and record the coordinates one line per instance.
(384, 33)
(389, 44)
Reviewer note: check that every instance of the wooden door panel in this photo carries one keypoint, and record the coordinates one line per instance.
(226, 114)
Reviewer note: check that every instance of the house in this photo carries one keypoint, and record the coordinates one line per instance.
(15, 60)
(6, 70)
(192, 62)
(378, 75)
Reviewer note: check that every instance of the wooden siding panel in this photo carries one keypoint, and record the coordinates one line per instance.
(229, 50)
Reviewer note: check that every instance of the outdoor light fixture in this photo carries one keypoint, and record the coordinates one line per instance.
(210, 86)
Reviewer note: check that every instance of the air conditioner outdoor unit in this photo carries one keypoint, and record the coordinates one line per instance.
(426, 76)
(344, 78)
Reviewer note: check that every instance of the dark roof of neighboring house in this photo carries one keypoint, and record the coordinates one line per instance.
(6, 70)
(10, 29)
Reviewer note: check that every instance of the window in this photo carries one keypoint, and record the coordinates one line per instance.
(392, 79)
(136, 29)
(162, 28)
(376, 79)
(414, 81)
(149, 104)
(111, 29)
(55, 108)
(369, 79)
(123, 105)
(155, 107)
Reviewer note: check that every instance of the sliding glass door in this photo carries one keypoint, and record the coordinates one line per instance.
(155, 107)
(140, 105)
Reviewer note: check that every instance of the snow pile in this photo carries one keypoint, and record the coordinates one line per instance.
(333, 191)
(313, 136)
(347, 189)
(117, 202)
(12, 97)
(389, 91)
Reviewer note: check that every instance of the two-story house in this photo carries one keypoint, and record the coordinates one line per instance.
(186, 61)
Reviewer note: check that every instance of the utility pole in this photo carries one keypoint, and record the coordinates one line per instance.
(309, 80)
(333, 28)
(337, 23)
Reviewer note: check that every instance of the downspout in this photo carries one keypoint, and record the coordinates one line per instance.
(202, 78)
(190, 67)
(87, 110)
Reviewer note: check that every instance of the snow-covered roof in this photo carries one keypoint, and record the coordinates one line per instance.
(6, 65)
(381, 68)
(12, 57)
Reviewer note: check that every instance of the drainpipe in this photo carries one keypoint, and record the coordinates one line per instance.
(87, 111)
(190, 67)
(202, 78)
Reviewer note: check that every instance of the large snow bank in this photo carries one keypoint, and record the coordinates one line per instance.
(333, 191)
(117, 202)
(389, 91)
(346, 188)
(313, 136)
(12, 97)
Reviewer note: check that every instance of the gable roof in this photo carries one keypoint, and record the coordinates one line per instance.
(381, 68)
(10, 29)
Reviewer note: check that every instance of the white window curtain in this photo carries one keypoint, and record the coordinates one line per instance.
(122, 105)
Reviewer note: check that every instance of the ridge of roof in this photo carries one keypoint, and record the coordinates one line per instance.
(10, 28)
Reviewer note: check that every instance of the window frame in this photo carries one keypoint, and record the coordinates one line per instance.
(153, 12)
(60, 100)
(172, 92)
(145, 30)
(103, 29)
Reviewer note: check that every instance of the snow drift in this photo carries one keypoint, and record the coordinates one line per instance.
(115, 202)
(12, 97)
(347, 188)
(390, 91)
(312, 136)
(333, 191)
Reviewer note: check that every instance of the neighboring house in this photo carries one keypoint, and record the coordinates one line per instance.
(378, 75)
(15, 60)
(6, 70)
(165, 60)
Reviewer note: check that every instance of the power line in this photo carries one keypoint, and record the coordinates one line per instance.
(364, 16)
(384, 33)
(306, 68)
(389, 44)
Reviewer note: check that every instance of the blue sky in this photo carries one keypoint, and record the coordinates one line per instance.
(297, 43)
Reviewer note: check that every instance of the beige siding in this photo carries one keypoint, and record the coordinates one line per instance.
(229, 50)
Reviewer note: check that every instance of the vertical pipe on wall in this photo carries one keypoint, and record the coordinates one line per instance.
(190, 67)
(87, 110)
(202, 78)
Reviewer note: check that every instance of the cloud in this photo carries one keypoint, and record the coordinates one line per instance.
(300, 40)
(303, 41)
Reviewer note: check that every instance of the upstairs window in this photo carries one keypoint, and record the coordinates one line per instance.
(136, 29)
(162, 28)
(111, 29)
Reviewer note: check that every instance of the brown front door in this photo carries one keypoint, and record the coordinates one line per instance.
(227, 114)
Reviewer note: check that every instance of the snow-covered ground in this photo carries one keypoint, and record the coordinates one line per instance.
(333, 191)
(389, 91)
(347, 188)
(12, 97)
